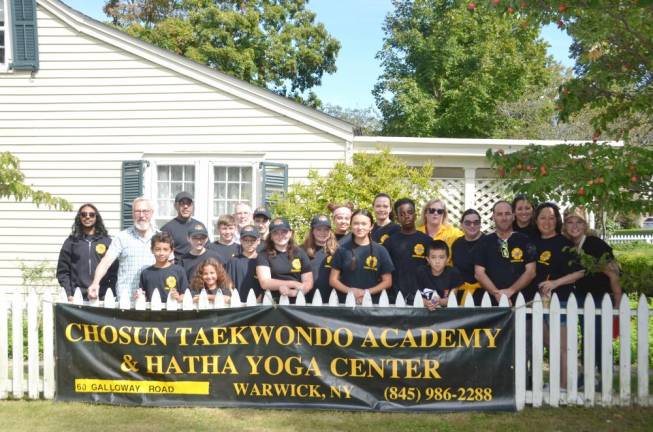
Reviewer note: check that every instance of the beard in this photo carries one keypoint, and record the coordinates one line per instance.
(142, 226)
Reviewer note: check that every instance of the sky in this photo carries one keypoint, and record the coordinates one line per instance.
(358, 25)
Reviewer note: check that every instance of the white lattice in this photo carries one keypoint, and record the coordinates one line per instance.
(452, 191)
(488, 191)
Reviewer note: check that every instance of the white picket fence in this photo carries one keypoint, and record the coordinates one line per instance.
(627, 238)
(34, 378)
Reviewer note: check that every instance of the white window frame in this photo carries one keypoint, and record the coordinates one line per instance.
(203, 179)
(4, 67)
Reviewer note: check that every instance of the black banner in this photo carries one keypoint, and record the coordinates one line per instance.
(384, 359)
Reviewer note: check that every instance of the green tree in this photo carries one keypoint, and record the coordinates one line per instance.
(358, 183)
(271, 43)
(12, 186)
(613, 50)
(448, 66)
(605, 179)
(366, 120)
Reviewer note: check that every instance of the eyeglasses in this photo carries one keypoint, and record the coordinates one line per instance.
(472, 222)
(146, 211)
(435, 210)
(87, 214)
(503, 248)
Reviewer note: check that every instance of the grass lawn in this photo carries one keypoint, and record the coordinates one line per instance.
(38, 416)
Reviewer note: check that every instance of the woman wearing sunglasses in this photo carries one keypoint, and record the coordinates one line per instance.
(82, 251)
(462, 255)
(436, 225)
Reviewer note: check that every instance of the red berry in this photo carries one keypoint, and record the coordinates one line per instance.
(471, 6)
(543, 170)
(633, 178)
(581, 191)
(502, 172)
(496, 2)
(562, 8)
(510, 10)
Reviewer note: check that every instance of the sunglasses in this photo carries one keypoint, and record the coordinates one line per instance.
(472, 222)
(503, 248)
(87, 214)
(435, 210)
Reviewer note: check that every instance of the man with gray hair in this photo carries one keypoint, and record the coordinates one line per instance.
(243, 215)
(132, 248)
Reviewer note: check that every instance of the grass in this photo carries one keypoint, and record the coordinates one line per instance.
(36, 416)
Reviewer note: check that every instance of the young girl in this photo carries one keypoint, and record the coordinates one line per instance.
(341, 217)
(359, 264)
(282, 267)
(320, 245)
(522, 208)
(211, 276)
(384, 227)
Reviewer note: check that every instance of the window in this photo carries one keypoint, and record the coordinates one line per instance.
(170, 180)
(231, 185)
(3, 39)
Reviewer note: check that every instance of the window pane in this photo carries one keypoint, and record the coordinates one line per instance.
(163, 190)
(162, 173)
(220, 173)
(247, 174)
(233, 174)
(175, 188)
(177, 173)
(246, 192)
(234, 191)
(220, 191)
(189, 173)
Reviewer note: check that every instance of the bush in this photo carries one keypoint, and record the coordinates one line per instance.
(358, 183)
(636, 261)
(633, 231)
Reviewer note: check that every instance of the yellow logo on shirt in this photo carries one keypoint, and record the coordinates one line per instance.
(100, 248)
(327, 263)
(383, 238)
(371, 263)
(171, 282)
(296, 265)
(545, 257)
(517, 254)
(418, 251)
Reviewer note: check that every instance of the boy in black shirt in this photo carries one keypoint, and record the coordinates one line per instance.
(225, 245)
(242, 267)
(197, 238)
(437, 277)
(163, 275)
(407, 248)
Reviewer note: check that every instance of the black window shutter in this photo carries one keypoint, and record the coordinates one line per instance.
(274, 179)
(132, 188)
(25, 39)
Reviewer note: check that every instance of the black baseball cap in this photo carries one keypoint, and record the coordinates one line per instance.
(279, 223)
(320, 220)
(262, 211)
(198, 230)
(249, 231)
(183, 195)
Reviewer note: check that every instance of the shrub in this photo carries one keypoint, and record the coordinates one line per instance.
(636, 261)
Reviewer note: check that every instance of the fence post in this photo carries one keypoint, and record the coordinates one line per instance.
(572, 350)
(48, 344)
(538, 351)
(624, 351)
(17, 344)
(588, 349)
(606, 350)
(520, 351)
(554, 351)
(4, 346)
(32, 345)
(642, 351)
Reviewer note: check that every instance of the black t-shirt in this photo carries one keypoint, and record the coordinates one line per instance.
(596, 283)
(408, 253)
(531, 231)
(321, 268)
(427, 283)
(283, 268)
(462, 257)
(381, 233)
(190, 262)
(163, 279)
(341, 238)
(225, 251)
(504, 271)
(242, 271)
(372, 261)
(178, 229)
(555, 259)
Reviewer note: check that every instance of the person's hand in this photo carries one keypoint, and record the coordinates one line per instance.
(359, 293)
(430, 304)
(92, 291)
(139, 293)
(547, 286)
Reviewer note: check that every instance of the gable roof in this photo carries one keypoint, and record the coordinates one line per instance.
(196, 71)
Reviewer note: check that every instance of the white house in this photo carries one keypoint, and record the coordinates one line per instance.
(98, 116)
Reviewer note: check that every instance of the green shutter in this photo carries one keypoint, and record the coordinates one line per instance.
(274, 179)
(25, 40)
(132, 188)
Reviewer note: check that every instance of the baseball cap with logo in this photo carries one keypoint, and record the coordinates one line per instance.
(320, 220)
(262, 211)
(198, 230)
(249, 231)
(279, 223)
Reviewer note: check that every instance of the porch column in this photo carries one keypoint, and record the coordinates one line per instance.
(470, 188)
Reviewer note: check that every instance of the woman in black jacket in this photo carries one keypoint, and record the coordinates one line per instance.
(82, 251)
